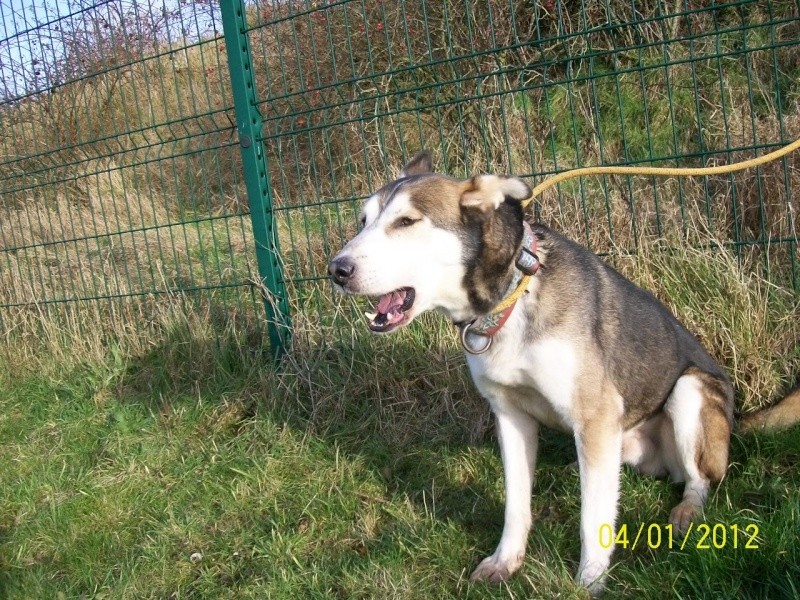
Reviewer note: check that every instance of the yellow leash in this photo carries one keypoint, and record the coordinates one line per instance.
(662, 171)
(657, 171)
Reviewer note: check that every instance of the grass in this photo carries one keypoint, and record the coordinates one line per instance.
(174, 460)
(196, 470)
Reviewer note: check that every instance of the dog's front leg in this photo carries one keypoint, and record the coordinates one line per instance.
(599, 445)
(518, 434)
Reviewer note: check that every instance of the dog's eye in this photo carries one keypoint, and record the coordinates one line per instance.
(405, 222)
(363, 220)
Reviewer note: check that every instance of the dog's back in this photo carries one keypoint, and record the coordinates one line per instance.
(644, 347)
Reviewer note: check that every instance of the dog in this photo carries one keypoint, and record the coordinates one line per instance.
(553, 336)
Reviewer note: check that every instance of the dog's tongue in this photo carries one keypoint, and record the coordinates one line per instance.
(387, 302)
(390, 310)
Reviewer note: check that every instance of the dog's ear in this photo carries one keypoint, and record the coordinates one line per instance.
(419, 165)
(487, 192)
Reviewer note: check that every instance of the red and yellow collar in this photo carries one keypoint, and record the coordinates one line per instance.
(527, 264)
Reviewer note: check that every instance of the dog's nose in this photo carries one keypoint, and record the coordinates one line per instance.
(341, 270)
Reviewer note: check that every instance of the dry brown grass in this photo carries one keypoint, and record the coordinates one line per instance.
(144, 121)
(114, 244)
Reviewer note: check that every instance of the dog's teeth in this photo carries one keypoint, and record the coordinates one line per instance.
(371, 316)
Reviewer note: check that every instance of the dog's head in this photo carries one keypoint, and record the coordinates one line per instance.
(429, 241)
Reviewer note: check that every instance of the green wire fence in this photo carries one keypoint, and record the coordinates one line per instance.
(145, 154)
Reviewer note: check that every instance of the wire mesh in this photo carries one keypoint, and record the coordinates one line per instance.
(122, 176)
(120, 173)
(352, 88)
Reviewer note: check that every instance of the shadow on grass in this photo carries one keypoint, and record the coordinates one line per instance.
(6, 580)
(404, 407)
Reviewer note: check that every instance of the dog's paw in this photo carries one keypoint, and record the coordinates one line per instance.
(495, 570)
(683, 515)
(593, 578)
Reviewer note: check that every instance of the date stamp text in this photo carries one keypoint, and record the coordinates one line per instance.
(703, 536)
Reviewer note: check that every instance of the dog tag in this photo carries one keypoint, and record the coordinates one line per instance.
(527, 262)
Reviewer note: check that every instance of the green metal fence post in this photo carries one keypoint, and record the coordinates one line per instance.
(249, 125)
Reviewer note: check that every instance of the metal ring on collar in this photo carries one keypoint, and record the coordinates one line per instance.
(464, 331)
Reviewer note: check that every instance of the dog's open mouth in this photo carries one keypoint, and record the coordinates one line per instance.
(390, 312)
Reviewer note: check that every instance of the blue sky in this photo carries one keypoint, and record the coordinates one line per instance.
(32, 32)
(17, 48)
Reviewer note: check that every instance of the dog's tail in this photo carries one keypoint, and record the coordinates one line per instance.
(782, 415)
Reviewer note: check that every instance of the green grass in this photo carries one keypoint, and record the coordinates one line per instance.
(367, 470)
(635, 116)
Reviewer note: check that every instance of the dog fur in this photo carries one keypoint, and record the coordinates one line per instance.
(585, 350)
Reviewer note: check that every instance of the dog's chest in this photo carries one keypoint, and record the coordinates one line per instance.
(538, 378)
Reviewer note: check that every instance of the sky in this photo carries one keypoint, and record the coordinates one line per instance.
(34, 34)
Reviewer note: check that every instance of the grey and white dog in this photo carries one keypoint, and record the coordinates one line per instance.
(584, 350)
